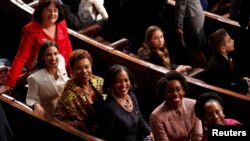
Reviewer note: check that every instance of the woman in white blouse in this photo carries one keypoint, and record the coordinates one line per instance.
(47, 80)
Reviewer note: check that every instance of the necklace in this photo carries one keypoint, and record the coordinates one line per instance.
(126, 103)
(88, 90)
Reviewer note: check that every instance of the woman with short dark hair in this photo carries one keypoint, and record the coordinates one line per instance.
(209, 109)
(174, 119)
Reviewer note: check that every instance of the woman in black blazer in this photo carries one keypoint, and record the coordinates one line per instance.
(121, 119)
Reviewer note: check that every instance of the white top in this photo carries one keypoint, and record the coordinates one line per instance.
(88, 5)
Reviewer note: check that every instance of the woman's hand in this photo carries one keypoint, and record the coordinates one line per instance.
(5, 89)
(39, 109)
(179, 31)
(150, 137)
(182, 68)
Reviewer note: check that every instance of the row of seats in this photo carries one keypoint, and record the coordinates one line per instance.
(147, 75)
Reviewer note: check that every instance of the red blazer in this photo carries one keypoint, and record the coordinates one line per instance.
(32, 37)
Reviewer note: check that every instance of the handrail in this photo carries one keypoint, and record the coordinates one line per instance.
(154, 67)
(22, 107)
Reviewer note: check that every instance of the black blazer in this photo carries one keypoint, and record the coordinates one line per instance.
(116, 124)
(6, 133)
(218, 73)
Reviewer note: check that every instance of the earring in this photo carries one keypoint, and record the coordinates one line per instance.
(110, 90)
(130, 88)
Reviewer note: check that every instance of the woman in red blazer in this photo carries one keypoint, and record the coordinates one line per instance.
(47, 24)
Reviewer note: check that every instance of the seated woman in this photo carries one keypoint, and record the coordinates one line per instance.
(121, 119)
(47, 80)
(82, 97)
(209, 110)
(174, 119)
(155, 51)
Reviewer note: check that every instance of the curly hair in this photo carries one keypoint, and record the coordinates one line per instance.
(203, 99)
(171, 75)
(79, 54)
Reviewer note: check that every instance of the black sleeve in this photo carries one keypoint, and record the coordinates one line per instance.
(105, 123)
(244, 13)
(143, 127)
(72, 18)
(6, 133)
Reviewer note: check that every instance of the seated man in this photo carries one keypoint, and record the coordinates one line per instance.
(220, 70)
(82, 13)
(4, 62)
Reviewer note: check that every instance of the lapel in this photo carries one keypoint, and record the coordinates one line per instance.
(50, 87)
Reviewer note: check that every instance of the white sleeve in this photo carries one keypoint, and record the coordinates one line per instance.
(32, 95)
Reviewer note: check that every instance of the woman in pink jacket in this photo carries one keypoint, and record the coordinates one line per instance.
(47, 24)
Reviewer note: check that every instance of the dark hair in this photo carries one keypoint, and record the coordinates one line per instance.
(72, 2)
(203, 99)
(111, 74)
(37, 15)
(39, 64)
(79, 54)
(217, 38)
(171, 75)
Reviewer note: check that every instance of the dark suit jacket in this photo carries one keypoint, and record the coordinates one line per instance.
(116, 124)
(6, 133)
(218, 73)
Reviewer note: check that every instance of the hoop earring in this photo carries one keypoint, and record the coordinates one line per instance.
(110, 90)
(130, 88)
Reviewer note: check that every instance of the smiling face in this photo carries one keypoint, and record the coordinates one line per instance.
(121, 85)
(174, 93)
(157, 39)
(50, 57)
(213, 114)
(82, 70)
(50, 14)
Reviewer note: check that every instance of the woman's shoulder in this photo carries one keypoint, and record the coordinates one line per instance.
(96, 79)
(37, 74)
(189, 102)
(33, 26)
(230, 121)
